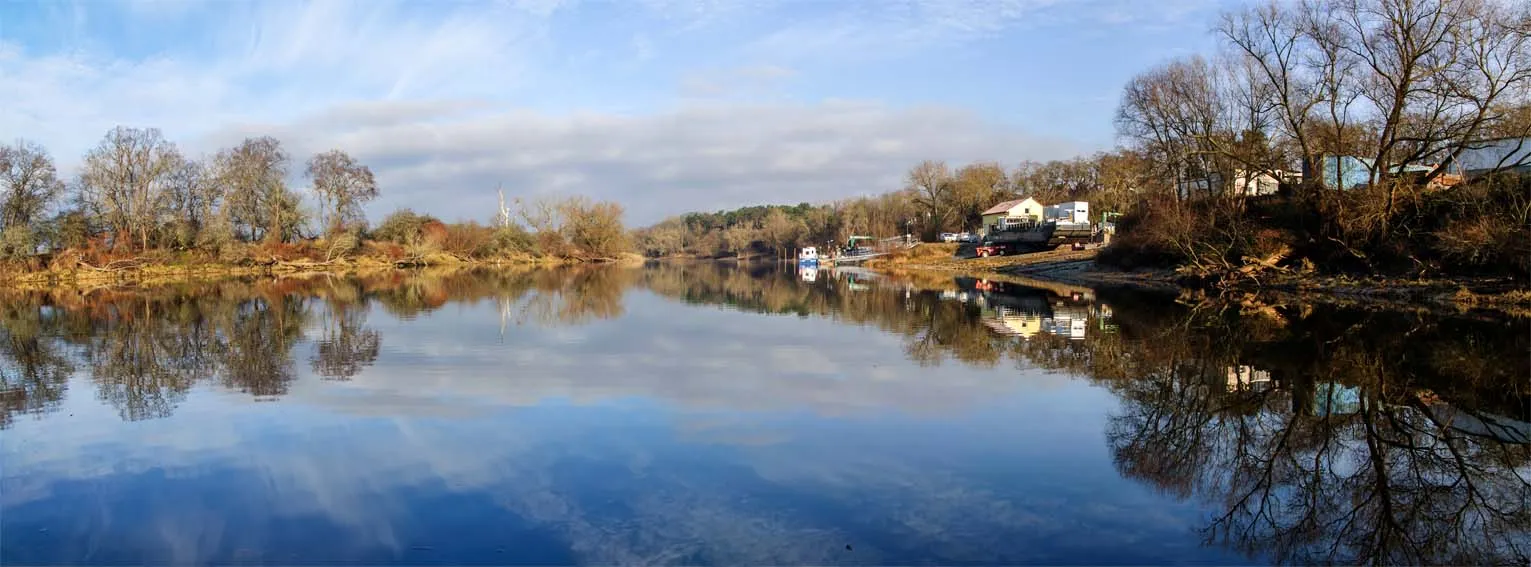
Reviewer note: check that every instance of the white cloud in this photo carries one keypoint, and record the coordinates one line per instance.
(267, 61)
(696, 157)
(430, 96)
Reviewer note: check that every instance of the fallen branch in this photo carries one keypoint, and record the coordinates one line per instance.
(114, 265)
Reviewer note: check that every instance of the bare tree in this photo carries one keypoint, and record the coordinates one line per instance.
(931, 183)
(1398, 82)
(1280, 75)
(976, 187)
(1487, 83)
(1176, 114)
(738, 239)
(192, 200)
(253, 179)
(595, 227)
(780, 231)
(29, 183)
(663, 239)
(1121, 179)
(125, 180)
(342, 185)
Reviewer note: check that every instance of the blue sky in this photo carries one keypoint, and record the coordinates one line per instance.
(663, 105)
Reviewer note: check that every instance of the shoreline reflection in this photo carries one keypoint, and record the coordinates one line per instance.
(1307, 434)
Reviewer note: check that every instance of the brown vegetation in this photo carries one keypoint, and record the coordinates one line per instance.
(141, 208)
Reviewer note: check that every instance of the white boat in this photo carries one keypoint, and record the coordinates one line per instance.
(808, 256)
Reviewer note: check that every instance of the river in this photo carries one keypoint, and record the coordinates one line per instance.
(706, 414)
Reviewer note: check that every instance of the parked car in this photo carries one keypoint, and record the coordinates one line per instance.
(967, 237)
(948, 237)
(987, 249)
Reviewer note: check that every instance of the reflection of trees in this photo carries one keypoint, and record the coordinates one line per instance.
(1382, 479)
(1395, 479)
(950, 328)
(1385, 485)
(34, 370)
(933, 330)
(1404, 473)
(146, 348)
(571, 296)
(346, 345)
(139, 359)
(258, 357)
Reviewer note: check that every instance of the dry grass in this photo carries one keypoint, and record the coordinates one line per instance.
(261, 261)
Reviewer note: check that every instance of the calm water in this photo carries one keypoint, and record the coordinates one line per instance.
(708, 415)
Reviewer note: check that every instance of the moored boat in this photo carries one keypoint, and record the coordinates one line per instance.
(808, 257)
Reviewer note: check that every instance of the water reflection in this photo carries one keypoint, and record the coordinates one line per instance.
(1298, 434)
(35, 367)
(345, 345)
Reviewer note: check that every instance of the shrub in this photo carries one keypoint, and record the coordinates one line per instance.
(387, 250)
(595, 227)
(17, 242)
(468, 239)
(178, 234)
(402, 227)
(1485, 226)
(433, 235)
(1154, 233)
(285, 252)
(342, 244)
(513, 239)
(1268, 241)
(73, 230)
(233, 252)
(1480, 227)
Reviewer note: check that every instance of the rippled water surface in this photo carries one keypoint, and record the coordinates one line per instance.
(714, 415)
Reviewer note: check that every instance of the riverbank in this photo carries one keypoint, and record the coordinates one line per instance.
(1071, 267)
(154, 269)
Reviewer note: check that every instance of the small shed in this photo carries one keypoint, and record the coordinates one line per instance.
(1025, 207)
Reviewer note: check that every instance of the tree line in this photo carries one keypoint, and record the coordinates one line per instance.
(935, 198)
(137, 193)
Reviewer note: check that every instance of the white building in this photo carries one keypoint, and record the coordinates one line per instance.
(1077, 212)
(1024, 208)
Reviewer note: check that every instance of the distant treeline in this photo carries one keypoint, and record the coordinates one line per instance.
(137, 196)
(935, 199)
